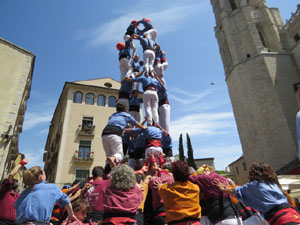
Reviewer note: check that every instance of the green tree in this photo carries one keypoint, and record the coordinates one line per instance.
(181, 150)
(190, 152)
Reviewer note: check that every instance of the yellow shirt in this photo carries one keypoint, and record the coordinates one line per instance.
(181, 200)
(145, 192)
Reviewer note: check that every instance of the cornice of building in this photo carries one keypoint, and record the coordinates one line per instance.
(89, 86)
(16, 46)
(241, 157)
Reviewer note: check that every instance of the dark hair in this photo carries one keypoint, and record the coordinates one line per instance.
(98, 171)
(180, 170)
(75, 182)
(260, 171)
(79, 204)
(120, 107)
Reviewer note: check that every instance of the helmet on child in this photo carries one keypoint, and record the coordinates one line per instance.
(120, 45)
(148, 20)
(134, 21)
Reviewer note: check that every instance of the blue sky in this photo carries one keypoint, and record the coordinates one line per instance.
(75, 40)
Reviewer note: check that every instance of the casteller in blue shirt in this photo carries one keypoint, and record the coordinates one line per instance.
(36, 204)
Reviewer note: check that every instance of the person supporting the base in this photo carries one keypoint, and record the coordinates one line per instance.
(112, 134)
(9, 195)
(181, 198)
(264, 194)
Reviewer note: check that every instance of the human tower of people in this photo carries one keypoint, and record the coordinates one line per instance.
(153, 190)
(152, 142)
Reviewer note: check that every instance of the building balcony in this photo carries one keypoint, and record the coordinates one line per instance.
(85, 130)
(83, 156)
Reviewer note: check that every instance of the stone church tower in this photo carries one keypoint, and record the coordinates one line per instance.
(260, 68)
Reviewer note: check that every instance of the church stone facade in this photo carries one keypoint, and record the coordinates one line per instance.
(261, 58)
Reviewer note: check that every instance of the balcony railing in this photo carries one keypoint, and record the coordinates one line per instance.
(85, 130)
(83, 156)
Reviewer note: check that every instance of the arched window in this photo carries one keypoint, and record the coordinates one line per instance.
(112, 101)
(101, 100)
(89, 99)
(77, 97)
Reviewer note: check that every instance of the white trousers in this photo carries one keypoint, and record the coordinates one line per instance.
(136, 115)
(135, 85)
(152, 33)
(112, 145)
(254, 220)
(232, 220)
(148, 57)
(156, 152)
(160, 68)
(150, 101)
(164, 116)
(125, 101)
(125, 68)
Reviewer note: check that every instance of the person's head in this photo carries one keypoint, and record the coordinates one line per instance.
(121, 107)
(180, 170)
(135, 93)
(34, 175)
(81, 208)
(136, 58)
(122, 178)
(13, 186)
(205, 169)
(120, 45)
(260, 171)
(135, 23)
(97, 171)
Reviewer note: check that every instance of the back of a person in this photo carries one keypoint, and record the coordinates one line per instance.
(181, 200)
(7, 200)
(95, 195)
(36, 204)
(122, 202)
(262, 196)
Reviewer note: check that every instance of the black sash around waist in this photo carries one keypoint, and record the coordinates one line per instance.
(163, 101)
(134, 108)
(112, 130)
(123, 94)
(148, 48)
(118, 214)
(136, 70)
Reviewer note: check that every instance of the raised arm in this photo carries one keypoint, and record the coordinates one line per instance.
(16, 169)
(223, 187)
(166, 134)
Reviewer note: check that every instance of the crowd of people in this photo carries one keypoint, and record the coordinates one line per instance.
(151, 188)
(175, 195)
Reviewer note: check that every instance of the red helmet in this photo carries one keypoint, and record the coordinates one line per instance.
(133, 21)
(120, 45)
(148, 20)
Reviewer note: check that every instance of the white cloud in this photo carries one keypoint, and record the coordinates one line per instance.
(165, 20)
(204, 124)
(33, 119)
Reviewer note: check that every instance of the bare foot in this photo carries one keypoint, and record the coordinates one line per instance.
(111, 161)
